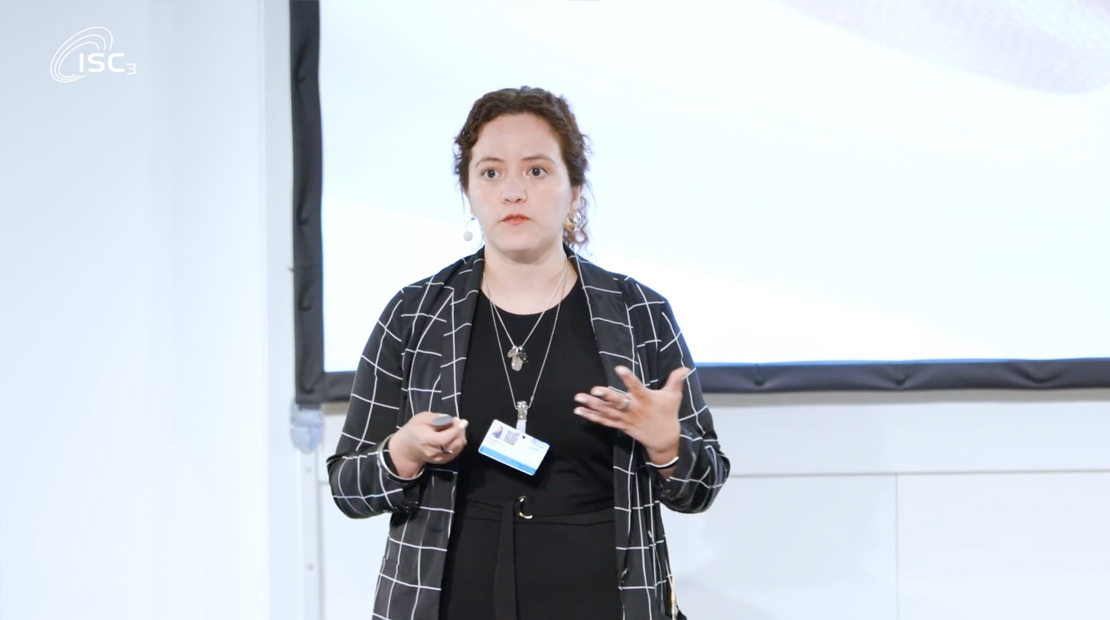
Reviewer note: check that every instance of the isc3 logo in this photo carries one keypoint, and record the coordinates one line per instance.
(97, 56)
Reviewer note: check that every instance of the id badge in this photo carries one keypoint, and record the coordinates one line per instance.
(508, 446)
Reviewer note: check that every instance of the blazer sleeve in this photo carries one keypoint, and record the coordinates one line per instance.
(702, 467)
(363, 483)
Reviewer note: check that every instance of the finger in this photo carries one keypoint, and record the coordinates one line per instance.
(443, 454)
(457, 446)
(450, 434)
(677, 379)
(598, 418)
(444, 445)
(631, 381)
(438, 448)
(429, 452)
(598, 400)
(431, 435)
(612, 396)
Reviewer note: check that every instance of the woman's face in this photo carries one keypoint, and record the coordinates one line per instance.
(519, 187)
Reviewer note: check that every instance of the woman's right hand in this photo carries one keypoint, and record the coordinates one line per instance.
(418, 442)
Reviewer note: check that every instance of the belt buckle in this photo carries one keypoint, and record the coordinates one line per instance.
(520, 507)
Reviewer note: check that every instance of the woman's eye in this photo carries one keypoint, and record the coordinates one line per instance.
(489, 173)
(536, 171)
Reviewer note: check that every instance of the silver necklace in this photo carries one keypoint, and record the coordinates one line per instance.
(516, 352)
(523, 406)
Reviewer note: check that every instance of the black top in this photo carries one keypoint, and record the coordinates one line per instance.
(578, 468)
(561, 563)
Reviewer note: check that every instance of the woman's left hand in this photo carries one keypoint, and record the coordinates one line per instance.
(648, 416)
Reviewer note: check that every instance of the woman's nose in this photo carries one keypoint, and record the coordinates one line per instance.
(512, 190)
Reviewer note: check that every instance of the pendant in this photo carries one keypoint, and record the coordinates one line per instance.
(521, 415)
(518, 356)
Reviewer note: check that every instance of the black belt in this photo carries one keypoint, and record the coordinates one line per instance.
(527, 509)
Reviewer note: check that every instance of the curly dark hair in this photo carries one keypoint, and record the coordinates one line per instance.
(555, 111)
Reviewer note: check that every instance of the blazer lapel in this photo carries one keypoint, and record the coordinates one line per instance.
(615, 343)
(462, 290)
(609, 318)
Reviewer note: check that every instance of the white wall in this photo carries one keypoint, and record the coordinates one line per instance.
(939, 506)
(146, 356)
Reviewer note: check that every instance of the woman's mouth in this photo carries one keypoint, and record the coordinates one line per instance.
(515, 218)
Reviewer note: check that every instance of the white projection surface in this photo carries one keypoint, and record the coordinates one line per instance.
(798, 190)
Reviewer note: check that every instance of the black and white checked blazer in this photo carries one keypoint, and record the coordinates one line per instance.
(414, 362)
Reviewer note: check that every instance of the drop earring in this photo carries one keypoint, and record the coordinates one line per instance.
(467, 235)
(573, 222)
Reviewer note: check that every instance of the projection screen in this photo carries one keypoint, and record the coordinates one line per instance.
(833, 196)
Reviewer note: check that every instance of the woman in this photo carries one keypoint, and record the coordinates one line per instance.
(526, 341)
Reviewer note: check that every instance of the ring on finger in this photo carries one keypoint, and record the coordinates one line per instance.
(624, 404)
(444, 450)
